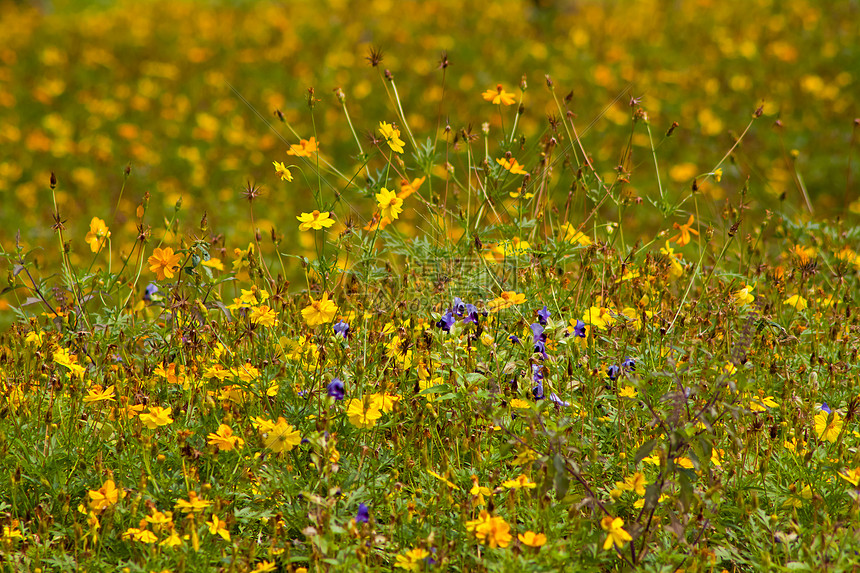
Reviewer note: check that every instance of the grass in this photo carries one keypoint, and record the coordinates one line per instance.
(437, 318)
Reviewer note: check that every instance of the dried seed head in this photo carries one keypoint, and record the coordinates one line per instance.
(375, 56)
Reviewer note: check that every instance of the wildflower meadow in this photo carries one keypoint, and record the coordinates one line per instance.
(429, 286)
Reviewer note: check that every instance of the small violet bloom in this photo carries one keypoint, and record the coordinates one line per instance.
(543, 315)
(540, 348)
(446, 322)
(151, 289)
(579, 329)
(537, 332)
(341, 329)
(514, 338)
(826, 408)
(471, 314)
(613, 372)
(556, 400)
(459, 307)
(629, 364)
(335, 389)
(363, 515)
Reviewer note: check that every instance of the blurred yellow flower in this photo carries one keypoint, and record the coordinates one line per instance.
(305, 148)
(218, 526)
(283, 171)
(615, 532)
(532, 539)
(852, 476)
(493, 531)
(164, 262)
(96, 394)
(412, 560)
(499, 96)
(194, 503)
(743, 296)
(512, 165)
(796, 301)
(98, 234)
(361, 414)
(315, 220)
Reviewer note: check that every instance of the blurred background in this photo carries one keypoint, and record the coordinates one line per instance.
(185, 93)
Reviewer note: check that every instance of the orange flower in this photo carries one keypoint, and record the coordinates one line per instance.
(683, 237)
(499, 96)
(305, 148)
(164, 262)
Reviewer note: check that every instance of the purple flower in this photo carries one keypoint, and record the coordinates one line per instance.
(540, 348)
(537, 332)
(341, 329)
(543, 315)
(446, 322)
(363, 515)
(151, 289)
(459, 307)
(826, 408)
(537, 377)
(629, 364)
(471, 314)
(335, 389)
(613, 371)
(514, 338)
(579, 329)
(556, 400)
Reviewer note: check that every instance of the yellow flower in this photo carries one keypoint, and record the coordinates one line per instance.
(493, 531)
(283, 171)
(319, 311)
(194, 504)
(718, 174)
(448, 482)
(164, 262)
(519, 404)
(96, 394)
(363, 415)
(412, 560)
(505, 300)
(315, 220)
(762, 403)
(224, 439)
(478, 492)
(826, 428)
(304, 149)
(683, 237)
(218, 526)
(156, 417)
(522, 481)
(35, 337)
(265, 567)
(98, 234)
(628, 392)
(571, 235)
(598, 316)
(392, 136)
(532, 539)
(512, 165)
(635, 483)
(796, 301)
(390, 205)
(106, 496)
(264, 315)
(615, 532)
(70, 361)
(499, 96)
(282, 437)
(852, 476)
(384, 402)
